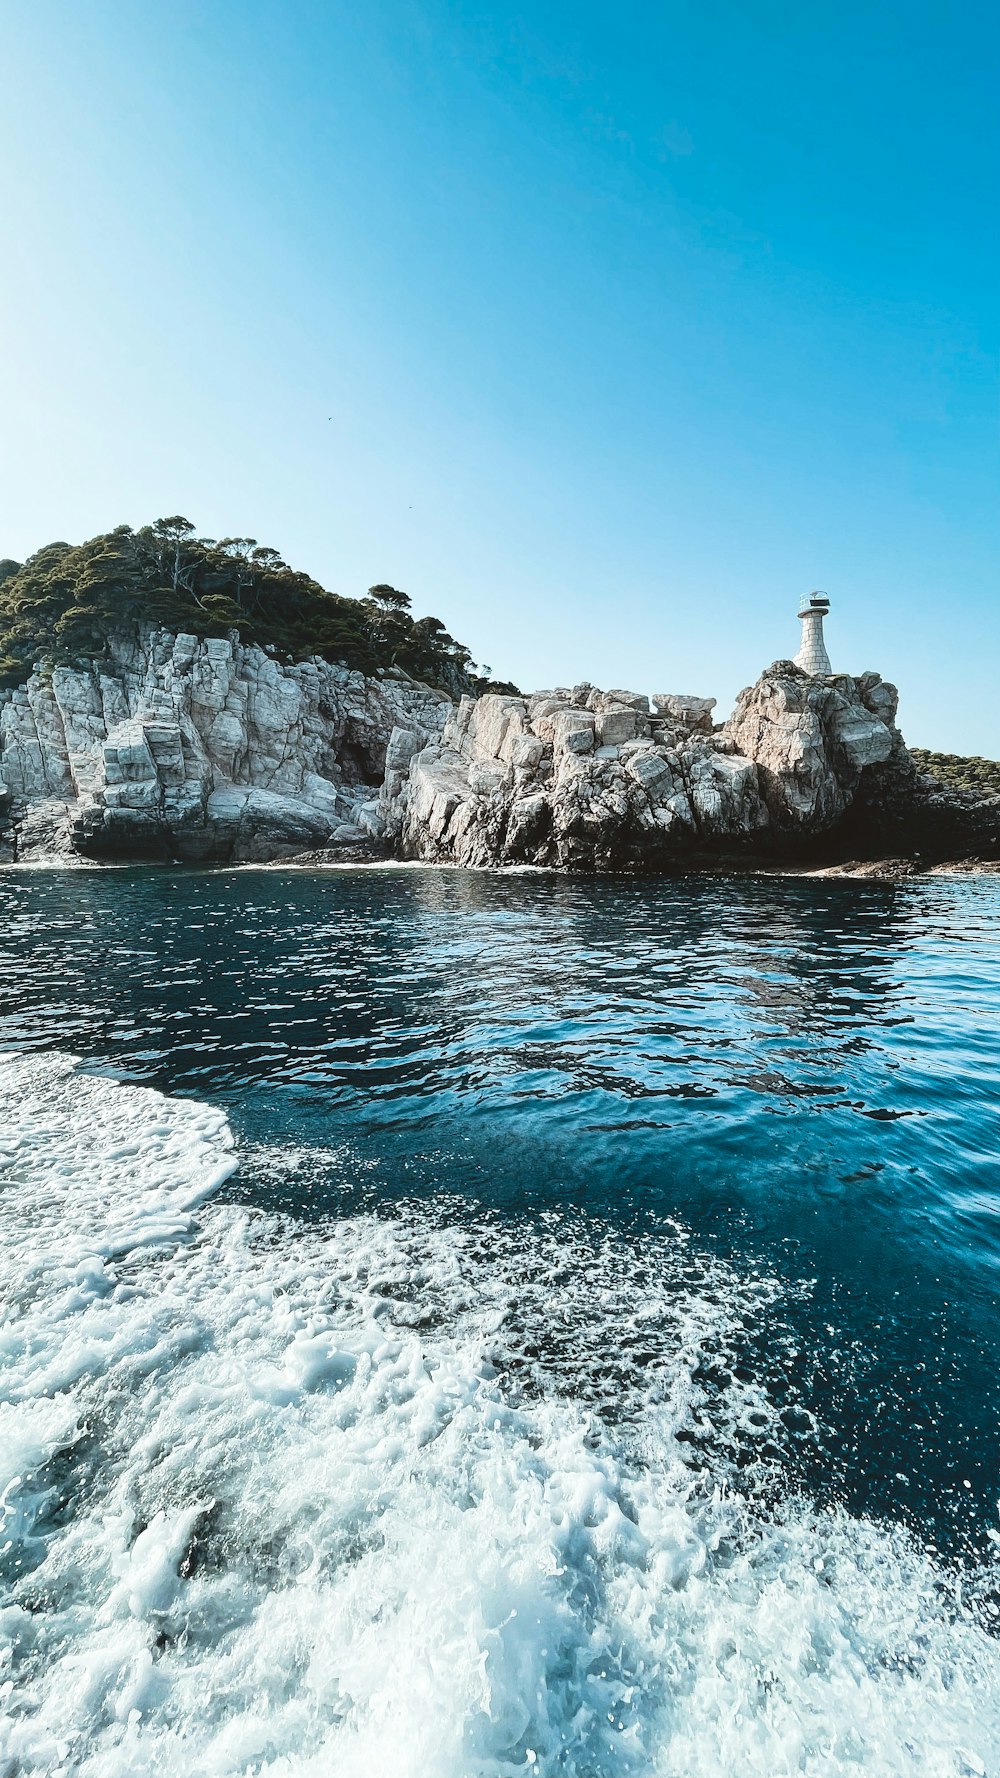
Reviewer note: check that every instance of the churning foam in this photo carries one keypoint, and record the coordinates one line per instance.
(375, 1500)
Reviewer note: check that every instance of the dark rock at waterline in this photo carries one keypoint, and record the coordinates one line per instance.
(369, 851)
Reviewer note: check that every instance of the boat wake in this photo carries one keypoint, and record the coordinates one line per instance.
(388, 1495)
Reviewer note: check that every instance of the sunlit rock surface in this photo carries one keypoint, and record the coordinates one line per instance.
(215, 752)
(591, 780)
(198, 750)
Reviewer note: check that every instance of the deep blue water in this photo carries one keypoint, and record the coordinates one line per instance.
(804, 1074)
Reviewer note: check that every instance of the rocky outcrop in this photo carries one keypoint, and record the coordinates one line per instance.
(591, 780)
(209, 751)
(813, 739)
(171, 748)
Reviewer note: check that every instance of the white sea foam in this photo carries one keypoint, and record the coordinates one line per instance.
(282, 1501)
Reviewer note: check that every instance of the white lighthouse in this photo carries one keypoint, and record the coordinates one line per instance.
(812, 656)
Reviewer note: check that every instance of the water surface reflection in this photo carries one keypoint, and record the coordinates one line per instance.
(806, 1072)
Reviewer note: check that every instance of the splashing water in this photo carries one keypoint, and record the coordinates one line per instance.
(369, 1496)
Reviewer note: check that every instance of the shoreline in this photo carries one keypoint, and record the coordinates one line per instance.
(880, 870)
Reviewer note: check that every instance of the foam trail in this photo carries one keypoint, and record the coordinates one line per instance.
(276, 1502)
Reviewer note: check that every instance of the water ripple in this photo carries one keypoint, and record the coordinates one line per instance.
(807, 1072)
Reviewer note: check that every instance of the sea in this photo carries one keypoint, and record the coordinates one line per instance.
(473, 1325)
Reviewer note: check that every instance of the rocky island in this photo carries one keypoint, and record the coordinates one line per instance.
(126, 738)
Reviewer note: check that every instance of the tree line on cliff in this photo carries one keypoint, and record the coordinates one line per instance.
(60, 605)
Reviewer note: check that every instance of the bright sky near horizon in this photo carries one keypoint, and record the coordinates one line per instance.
(604, 332)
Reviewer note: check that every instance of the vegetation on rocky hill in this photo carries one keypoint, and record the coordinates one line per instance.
(959, 773)
(61, 603)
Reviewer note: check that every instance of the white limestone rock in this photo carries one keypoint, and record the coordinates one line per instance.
(45, 835)
(650, 769)
(175, 747)
(685, 712)
(589, 780)
(812, 739)
(615, 725)
(572, 731)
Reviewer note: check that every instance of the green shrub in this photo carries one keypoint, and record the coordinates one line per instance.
(959, 773)
(64, 601)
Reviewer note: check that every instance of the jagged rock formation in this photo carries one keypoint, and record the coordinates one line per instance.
(211, 751)
(813, 739)
(198, 750)
(594, 780)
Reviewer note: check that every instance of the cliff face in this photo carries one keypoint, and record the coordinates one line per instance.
(202, 751)
(214, 752)
(814, 741)
(594, 780)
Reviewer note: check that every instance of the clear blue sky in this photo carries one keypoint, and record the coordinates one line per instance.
(603, 331)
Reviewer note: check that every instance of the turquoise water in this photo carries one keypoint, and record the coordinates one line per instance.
(615, 1143)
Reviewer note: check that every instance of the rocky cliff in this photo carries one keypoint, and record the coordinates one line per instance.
(206, 751)
(212, 751)
(593, 780)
